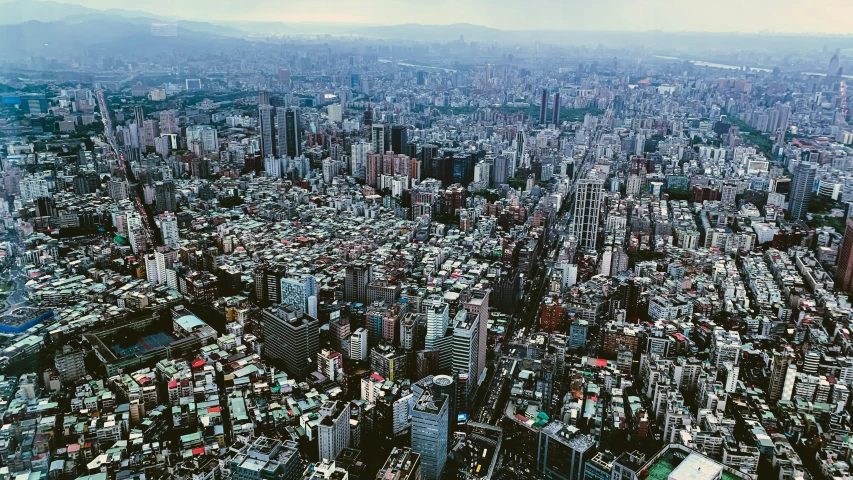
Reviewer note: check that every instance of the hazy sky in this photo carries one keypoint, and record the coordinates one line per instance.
(818, 16)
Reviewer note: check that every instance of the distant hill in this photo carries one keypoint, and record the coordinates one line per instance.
(56, 38)
(20, 11)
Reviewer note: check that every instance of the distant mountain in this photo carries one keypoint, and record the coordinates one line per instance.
(52, 39)
(20, 11)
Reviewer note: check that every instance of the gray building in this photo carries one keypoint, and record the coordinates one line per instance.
(562, 452)
(291, 337)
(429, 433)
(266, 125)
(801, 190)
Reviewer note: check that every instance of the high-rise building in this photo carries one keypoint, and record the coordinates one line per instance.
(206, 135)
(139, 115)
(333, 432)
(358, 159)
(801, 190)
(291, 337)
(297, 291)
(266, 126)
(556, 117)
(293, 122)
(380, 138)
(844, 269)
(465, 355)
(438, 319)
(164, 197)
(358, 345)
(399, 139)
(263, 97)
(429, 433)
(543, 106)
(782, 375)
(402, 464)
(587, 211)
(478, 304)
(169, 230)
(562, 451)
(358, 277)
(281, 132)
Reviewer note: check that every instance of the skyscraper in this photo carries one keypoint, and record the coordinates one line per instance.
(399, 139)
(263, 97)
(429, 432)
(294, 132)
(556, 116)
(587, 211)
(801, 190)
(266, 126)
(543, 106)
(844, 270)
(281, 132)
(380, 138)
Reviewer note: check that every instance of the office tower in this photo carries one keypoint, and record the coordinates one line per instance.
(543, 106)
(168, 123)
(588, 194)
(399, 139)
(478, 304)
(280, 133)
(294, 132)
(556, 117)
(438, 319)
(284, 76)
(782, 375)
(291, 337)
(358, 159)
(562, 451)
(358, 276)
(263, 97)
(139, 115)
(297, 291)
(402, 464)
(276, 459)
(429, 432)
(465, 355)
(367, 118)
(380, 140)
(358, 345)
(844, 269)
(204, 134)
(333, 432)
(169, 230)
(801, 190)
(266, 126)
(832, 69)
(164, 197)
